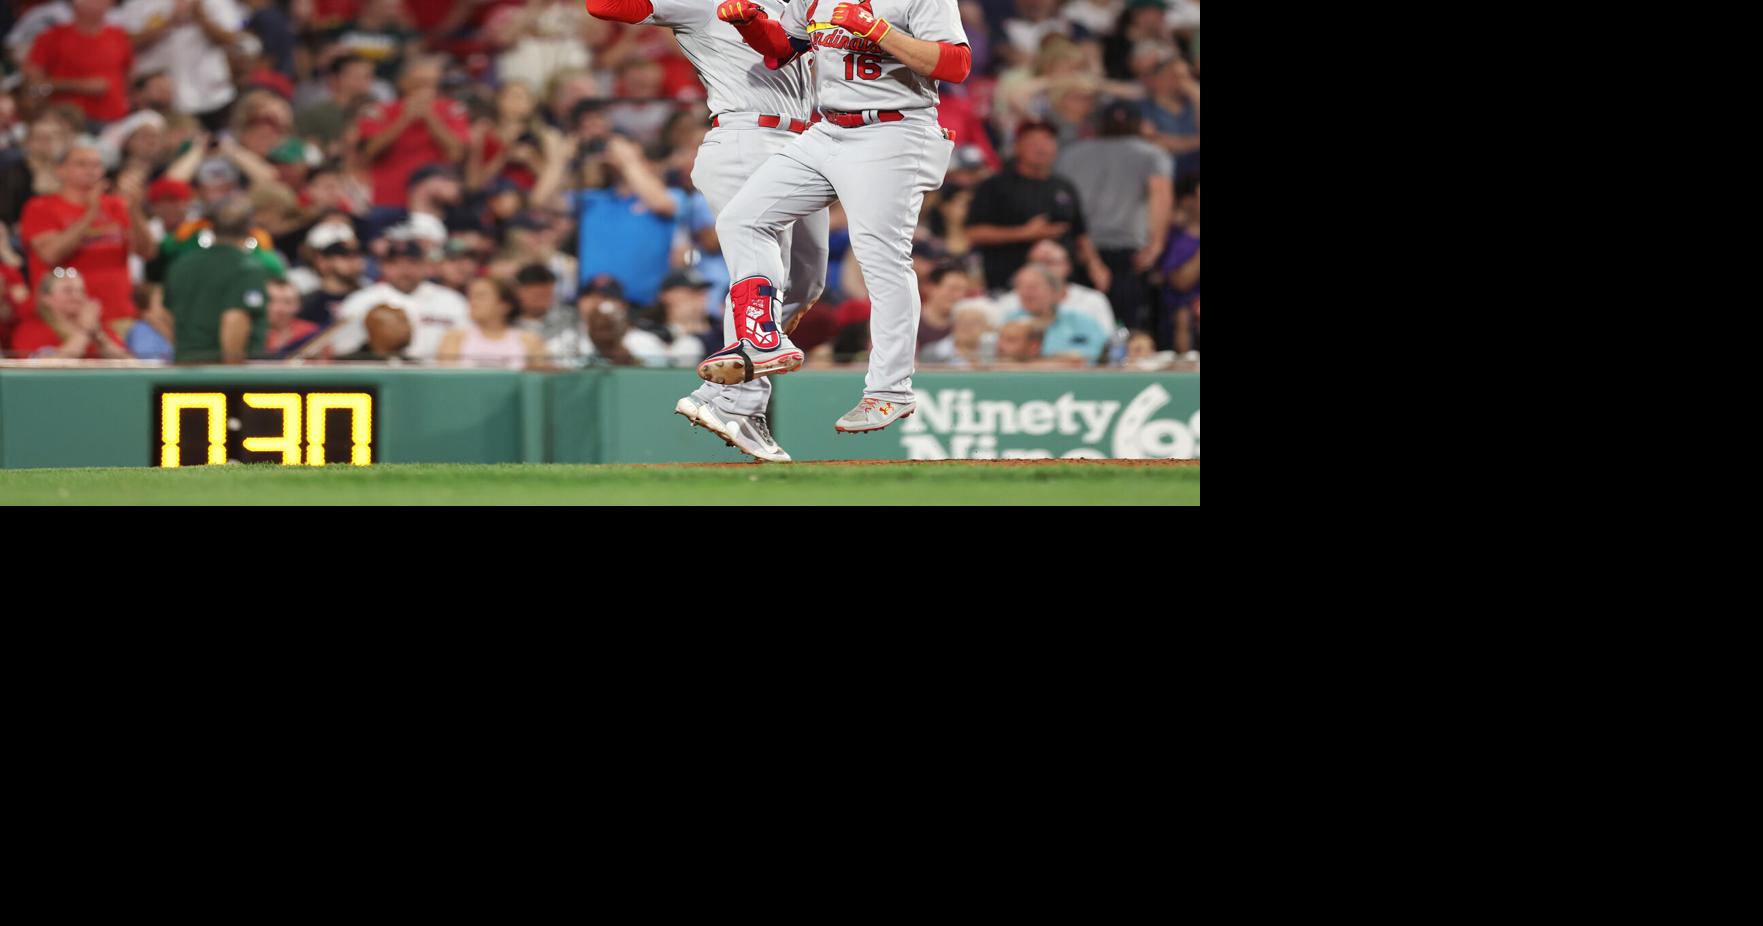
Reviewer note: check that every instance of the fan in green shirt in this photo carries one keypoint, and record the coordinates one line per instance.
(216, 294)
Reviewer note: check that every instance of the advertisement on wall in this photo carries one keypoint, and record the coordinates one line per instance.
(1003, 416)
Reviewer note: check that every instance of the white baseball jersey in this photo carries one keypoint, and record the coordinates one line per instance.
(433, 311)
(854, 74)
(735, 74)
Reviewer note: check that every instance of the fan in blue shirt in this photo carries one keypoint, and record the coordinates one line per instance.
(627, 226)
(1062, 333)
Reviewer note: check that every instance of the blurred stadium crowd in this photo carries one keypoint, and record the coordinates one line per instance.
(508, 183)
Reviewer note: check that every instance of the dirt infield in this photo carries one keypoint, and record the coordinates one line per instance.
(1132, 464)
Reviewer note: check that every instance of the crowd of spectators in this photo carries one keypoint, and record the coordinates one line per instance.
(508, 183)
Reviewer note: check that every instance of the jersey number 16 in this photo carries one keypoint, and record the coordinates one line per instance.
(867, 67)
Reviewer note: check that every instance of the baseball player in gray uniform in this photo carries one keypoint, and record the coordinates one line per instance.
(758, 108)
(877, 149)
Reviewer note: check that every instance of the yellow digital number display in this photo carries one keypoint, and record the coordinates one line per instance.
(288, 442)
(360, 408)
(289, 427)
(171, 408)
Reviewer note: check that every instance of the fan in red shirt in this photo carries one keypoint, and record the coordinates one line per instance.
(70, 327)
(420, 128)
(85, 62)
(84, 228)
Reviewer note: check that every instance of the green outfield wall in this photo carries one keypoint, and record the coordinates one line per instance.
(117, 417)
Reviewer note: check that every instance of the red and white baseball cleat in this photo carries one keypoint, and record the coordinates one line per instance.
(741, 362)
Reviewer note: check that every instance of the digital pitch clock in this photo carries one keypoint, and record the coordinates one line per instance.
(208, 426)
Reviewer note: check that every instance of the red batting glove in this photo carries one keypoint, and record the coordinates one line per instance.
(861, 21)
(740, 12)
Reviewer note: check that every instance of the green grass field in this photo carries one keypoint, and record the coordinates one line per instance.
(952, 483)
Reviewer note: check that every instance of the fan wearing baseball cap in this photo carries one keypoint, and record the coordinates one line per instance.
(678, 318)
(603, 334)
(169, 191)
(168, 206)
(433, 310)
(337, 257)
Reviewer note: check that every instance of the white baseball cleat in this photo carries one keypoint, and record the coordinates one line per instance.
(743, 362)
(873, 415)
(750, 434)
(687, 407)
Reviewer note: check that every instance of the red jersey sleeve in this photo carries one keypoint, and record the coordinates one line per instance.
(767, 37)
(953, 63)
(622, 11)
